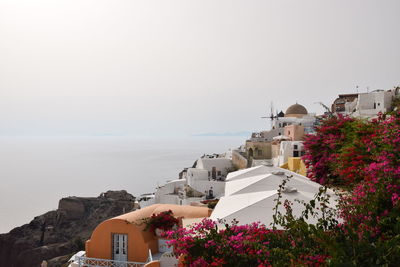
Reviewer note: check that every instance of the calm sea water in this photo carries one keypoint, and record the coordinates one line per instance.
(36, 172)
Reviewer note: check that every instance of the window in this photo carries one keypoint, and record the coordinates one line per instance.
(120, 242)
(295, 153)
(295, 146)
(219, 173)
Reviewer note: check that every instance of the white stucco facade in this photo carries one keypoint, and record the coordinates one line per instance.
(288, 149)
(370, 104)
(367, 105)
(171, 192)
(197, 174)
(206, 179)
(217, 167)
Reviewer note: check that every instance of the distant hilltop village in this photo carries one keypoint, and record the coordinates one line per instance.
(280, 147)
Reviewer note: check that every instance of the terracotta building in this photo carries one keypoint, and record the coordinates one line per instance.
(123, 238)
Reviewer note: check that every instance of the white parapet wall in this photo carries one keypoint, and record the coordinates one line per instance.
(218, 187)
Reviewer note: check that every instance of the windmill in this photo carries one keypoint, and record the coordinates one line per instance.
(272, 117)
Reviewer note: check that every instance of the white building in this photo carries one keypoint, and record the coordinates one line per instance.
(288, 149)
(206, 180)
(250, 195)
(217, 167)
(365, 105)
(173, 192)
(145, 200)
(295, 115)
(370, 104)
(308, 121)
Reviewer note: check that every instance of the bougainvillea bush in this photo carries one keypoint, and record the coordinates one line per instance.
(341, 150)
(164, 220)
(204, 244)
(360, 157)
(364, 157)
(245, 245)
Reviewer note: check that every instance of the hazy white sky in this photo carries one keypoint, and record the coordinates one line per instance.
(183, 67)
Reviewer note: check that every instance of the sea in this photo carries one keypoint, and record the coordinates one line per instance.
(36, 172)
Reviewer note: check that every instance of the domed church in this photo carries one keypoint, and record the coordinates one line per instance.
(289, 127)
(296, 110)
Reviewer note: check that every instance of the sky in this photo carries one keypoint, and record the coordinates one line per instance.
(180, 68)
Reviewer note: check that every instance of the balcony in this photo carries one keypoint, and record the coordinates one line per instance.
(93, 262)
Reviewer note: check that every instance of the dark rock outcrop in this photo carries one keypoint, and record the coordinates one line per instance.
(56, 235)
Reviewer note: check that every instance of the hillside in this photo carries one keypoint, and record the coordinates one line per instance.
(56, 235)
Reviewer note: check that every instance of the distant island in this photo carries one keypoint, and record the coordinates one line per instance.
(243, 133)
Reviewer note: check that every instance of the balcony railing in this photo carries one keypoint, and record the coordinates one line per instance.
(93, 262)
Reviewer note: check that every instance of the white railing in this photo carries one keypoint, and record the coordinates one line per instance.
(150, 258)
(93, 262)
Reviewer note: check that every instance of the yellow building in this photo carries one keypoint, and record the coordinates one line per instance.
(295, 164)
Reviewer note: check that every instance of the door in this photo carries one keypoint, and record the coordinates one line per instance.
(214, 173)
(120, 247)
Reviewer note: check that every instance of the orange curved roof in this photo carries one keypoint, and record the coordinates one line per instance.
(177, 210)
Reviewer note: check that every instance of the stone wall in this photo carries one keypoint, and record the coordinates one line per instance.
(258, 150)
(238, 160)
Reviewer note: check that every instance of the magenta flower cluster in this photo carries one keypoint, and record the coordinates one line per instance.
(242, 245)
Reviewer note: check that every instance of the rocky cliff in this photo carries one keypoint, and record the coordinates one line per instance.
(56, 235)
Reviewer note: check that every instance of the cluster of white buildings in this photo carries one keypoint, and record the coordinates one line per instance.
(204, 181)
(365, 105)
(246, 179)
(283, 141)
(240, 189)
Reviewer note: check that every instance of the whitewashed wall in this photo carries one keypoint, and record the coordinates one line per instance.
(218, 187)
